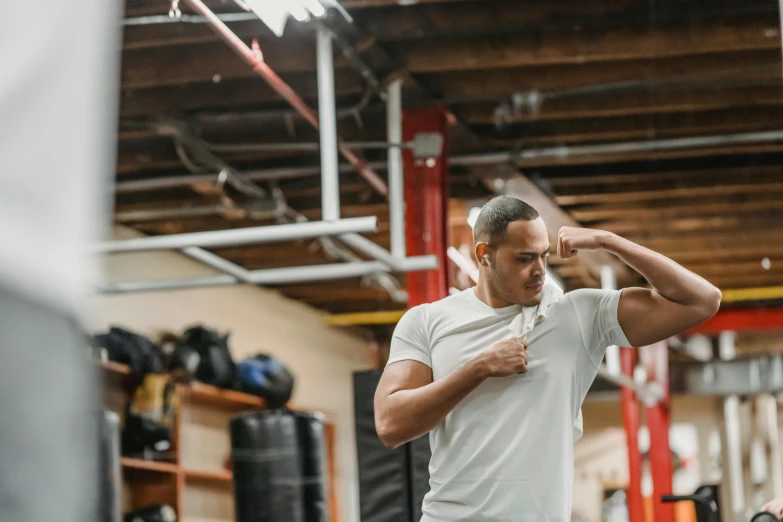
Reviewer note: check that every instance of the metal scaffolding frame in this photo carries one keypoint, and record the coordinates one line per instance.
(347, 230)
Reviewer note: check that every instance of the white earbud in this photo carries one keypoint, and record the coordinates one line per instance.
(486, 259)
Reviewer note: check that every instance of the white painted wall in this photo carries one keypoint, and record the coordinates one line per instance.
(323, 359)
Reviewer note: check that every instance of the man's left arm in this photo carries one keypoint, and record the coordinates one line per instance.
(679, 299)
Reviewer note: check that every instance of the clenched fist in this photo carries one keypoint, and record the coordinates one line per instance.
(775, 507)
(504, 358)
(572, 239)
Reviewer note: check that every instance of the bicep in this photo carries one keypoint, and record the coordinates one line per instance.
(647, 317)
(402, 375)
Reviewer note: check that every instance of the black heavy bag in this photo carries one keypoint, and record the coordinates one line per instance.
(139, 353)
(267, 472)
(155, 513)
(265, 377)
(215, 364)
(314, 462)
(384, 475)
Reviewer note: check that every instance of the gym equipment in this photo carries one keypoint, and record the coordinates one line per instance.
(392, 483)
(279, 463)
(150, 417)
(215, 365)
(155, 513)
(705, 500)
(314, 462)
(126, 347)
(764, 516)
(265, 377)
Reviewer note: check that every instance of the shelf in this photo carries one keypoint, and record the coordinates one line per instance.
(148, 465)
(211, 395)
(210, 476)
(200, 392)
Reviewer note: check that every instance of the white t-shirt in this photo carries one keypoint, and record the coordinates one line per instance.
(505, 453)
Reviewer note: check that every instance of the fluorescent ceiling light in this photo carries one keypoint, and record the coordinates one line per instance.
(275, 13)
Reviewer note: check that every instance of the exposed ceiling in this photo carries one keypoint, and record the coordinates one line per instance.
(519, 76)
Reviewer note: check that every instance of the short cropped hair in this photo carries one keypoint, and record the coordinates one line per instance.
(495, 216)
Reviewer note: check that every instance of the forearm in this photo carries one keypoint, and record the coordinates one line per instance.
(405, 415)
(668, 278)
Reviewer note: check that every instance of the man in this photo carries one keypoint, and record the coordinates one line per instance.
(58, 105)
(775, 507)
(500, 409)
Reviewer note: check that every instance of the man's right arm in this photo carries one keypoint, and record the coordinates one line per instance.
(409, 404)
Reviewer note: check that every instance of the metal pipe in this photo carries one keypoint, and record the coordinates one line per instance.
(241, 236)
(272, 276)
(191, 19)
(609, 282)
(464, 263)
(369, 248)
(462, 161)
(645, 393)
(770, 414)
(780, 15)
(330, 181)
(218, 263)
(394, 155)
(230, 148)
(733, 438)
(255, 60)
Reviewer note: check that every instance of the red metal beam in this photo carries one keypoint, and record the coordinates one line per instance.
(656, 362)
(631, 425)
(426, 205)
(742, 320)
(255, 59)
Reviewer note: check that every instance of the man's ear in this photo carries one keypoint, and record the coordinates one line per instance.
(482, 253)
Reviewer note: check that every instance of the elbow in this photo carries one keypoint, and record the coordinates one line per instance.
(389, 436)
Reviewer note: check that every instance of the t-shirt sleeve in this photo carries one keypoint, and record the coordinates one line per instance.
(596, 312)
(410, 341)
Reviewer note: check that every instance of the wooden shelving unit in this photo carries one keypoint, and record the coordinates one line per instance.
(195, 480)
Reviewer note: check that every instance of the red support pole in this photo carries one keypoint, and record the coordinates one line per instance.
(656, 362)
(631, 424)
(426, 204)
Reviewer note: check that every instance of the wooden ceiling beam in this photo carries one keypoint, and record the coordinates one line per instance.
(226, 94)
(463, 19)
(670, 193)
(687, 209)
(746, 281)
(137, 37)
(569, 158)
(200, 62)
(696, 224)
(751, 269)
(717, 242)
(642, 132)
(582, 46)
(643, 178)
(638, 126)
(697, 99)
(566, 79)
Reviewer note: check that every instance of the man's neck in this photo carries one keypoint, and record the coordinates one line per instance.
(486, 295)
